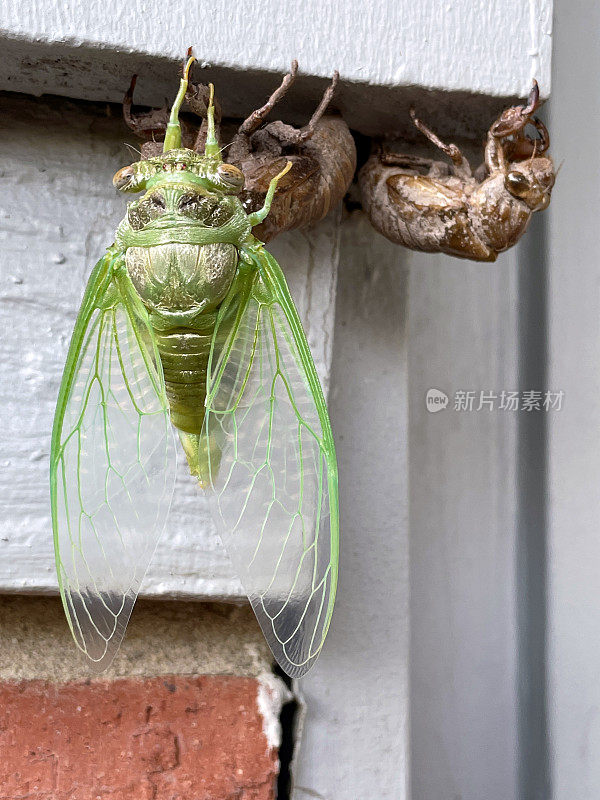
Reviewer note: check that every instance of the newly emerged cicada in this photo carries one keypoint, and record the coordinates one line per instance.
(187, 321)
(446, 208)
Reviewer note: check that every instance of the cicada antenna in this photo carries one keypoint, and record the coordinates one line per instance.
(211, 148)
(173, 134)
(135, 150)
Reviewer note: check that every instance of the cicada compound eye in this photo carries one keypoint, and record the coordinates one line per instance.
(231, 176)
(517, 183)
(123, 178)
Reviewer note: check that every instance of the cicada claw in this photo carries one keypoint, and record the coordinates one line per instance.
(514, 119)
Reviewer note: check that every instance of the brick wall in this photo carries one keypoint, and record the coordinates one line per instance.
(188, 710)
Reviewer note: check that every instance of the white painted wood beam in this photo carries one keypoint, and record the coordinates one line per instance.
(388, 54)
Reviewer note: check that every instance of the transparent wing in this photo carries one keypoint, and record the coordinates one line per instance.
(271, 465)
(112, 462)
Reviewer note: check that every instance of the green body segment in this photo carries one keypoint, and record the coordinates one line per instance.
(181, 286)
(184, 356)
(182, 269)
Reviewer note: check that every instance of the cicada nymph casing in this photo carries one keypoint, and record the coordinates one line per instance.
(440, 207)
(323, 157)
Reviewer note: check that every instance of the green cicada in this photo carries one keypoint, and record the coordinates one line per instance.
(187, 322)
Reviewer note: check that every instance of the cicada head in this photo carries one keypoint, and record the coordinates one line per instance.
(177, 165)
(528, 172)
(180, 166)
(187, 188)
(531, 181)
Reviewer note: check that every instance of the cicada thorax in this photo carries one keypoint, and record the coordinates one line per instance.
(173, 275)
(182, 283)
(499, 218)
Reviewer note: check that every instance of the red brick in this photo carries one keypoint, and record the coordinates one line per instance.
(175, 738)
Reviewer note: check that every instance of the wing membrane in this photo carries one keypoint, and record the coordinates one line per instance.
(112, 462)
(272, 467)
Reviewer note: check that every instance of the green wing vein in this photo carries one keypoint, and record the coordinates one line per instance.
(272, 471)
(112, 462)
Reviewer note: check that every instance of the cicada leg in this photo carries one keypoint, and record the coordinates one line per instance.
(412, 163)
(256, 119)
(462, 168)
(288, 135)
(514, 119)
(150, 126)
(308, 130)
(501, 149)
(197, 98)
(146, 125)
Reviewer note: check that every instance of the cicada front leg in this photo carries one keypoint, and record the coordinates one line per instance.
(257, 117)
(507, 138)
(198, 98)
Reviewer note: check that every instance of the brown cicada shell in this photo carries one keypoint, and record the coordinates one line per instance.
(322, 153)
(437, 207)
(323, 159)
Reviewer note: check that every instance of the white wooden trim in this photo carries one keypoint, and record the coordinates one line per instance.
(440, 56)
(489, 48)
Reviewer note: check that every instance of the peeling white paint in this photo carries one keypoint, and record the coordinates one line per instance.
(271, 696)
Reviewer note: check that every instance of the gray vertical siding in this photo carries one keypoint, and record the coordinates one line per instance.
(463, 531)
(573, 653)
